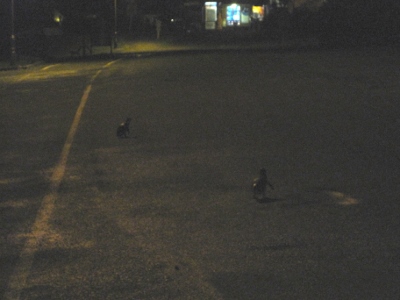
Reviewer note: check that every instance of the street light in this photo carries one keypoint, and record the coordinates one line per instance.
(12, 40)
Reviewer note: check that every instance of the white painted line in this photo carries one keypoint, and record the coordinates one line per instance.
(18, 280)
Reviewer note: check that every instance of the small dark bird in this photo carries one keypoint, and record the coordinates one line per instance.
(123, 129)
(260, 185)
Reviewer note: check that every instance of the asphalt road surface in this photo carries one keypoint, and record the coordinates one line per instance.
(167, 213)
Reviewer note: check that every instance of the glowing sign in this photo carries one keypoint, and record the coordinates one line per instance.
(233, 14)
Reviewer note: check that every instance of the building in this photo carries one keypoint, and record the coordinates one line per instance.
(218, 15)
(234, 14)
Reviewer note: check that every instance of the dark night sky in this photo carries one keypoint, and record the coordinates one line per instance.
(28, 11)
(38, 8)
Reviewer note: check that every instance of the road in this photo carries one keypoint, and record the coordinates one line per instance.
(167, 213)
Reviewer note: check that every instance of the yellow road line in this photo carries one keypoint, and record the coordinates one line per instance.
(48, 67)
(18, 279)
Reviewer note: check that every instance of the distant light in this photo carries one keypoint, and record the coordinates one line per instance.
(58, 17)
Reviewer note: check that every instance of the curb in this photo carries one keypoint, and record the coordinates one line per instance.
(19, 67)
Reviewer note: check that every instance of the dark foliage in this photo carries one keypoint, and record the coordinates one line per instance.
(359, 22)
(338, 22)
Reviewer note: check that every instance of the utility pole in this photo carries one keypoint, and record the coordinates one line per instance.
(12, 40)
(113, 42)
(115, 24)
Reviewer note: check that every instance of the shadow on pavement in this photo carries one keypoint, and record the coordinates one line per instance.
(267, 200)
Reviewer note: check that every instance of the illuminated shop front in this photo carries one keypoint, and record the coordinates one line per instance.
(219, 15)
(210, 15)
(223, 14)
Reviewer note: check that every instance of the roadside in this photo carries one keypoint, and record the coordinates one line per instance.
(22, 63)
(74, 48)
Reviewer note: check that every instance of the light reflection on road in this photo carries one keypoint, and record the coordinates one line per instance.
(48, 72)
